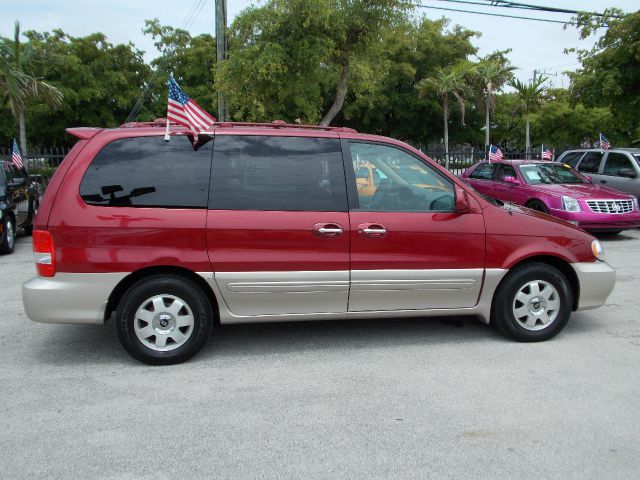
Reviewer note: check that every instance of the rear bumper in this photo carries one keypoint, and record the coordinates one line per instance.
(596, 280)
(600, 222)
(69, 297)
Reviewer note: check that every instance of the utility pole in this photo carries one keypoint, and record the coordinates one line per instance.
(221, 50)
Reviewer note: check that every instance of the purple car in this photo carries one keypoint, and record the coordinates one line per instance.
(556, 189)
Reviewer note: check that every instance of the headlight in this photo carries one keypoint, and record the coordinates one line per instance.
(570, 204)
(598, 250)
(635, 204)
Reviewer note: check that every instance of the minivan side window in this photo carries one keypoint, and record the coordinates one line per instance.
(149, 172)
(406, 184)
(483, 172)
(277, 173)
(590, 163)
(615, 162)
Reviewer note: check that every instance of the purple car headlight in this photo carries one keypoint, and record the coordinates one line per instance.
(635, 204)
(570, 204)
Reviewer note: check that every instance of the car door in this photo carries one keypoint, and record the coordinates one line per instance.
(590, 165)
(507, 192)
(619, 172)
(410, 250)
(278, 225)
(482, 178)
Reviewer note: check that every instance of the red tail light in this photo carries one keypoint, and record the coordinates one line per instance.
(43, 253)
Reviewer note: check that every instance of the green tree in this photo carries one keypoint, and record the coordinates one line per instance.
(529, 96)
(492, 73)
(382, 97)
(610, 73)
(190, 59)
(446, 83)
(100, 82)
(19, 85)
(295, 59)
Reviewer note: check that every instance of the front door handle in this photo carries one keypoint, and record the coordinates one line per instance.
(328, 229)
(372, 230)
(603, 181)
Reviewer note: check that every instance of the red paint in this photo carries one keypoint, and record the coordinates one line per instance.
(125, 239)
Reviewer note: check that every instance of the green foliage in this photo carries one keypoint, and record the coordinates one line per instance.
(190, 59)
(610, 73)
(99, 82)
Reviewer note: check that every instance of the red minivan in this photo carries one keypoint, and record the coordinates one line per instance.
(263, 222)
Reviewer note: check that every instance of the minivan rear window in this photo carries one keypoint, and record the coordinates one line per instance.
(149, 172)
(277, 173)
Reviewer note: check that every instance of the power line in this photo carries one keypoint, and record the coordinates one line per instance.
(503, 15)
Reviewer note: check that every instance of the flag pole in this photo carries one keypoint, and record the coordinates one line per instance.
(166, 132)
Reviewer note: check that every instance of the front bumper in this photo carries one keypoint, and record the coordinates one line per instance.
(69, 297)
(600, 222)
(596, 280)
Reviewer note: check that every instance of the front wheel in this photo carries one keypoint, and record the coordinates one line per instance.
(533, 303)
(538, 206)
(164, 319)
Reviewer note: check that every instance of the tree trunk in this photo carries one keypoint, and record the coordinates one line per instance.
(487, 124)
(445, 107)
(341, 93)
(23, 134)
(527, 140)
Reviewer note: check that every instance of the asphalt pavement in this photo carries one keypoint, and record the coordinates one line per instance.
(383, 399)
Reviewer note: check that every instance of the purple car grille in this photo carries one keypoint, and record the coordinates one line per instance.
(610, 206)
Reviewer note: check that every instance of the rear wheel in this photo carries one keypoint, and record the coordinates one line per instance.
(533, 303)
(164, 319)
(8, 236)
(538, 206)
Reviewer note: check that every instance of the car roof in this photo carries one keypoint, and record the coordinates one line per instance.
(620, 149)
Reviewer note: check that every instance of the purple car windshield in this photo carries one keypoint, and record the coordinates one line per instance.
(549, 173)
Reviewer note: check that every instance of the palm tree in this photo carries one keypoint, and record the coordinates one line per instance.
(18, 86)
(529, 96)
(449, 81)
(491, 75)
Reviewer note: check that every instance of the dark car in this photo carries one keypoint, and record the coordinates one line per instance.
(18, 204)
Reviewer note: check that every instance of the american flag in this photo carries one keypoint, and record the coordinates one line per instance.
(546, 153)
(604, 143)
(495, 153)
(16, 158)
(182, 110)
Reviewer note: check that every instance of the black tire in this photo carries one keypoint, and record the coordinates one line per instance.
(7, 240)
(196, 302)
(505, 305)
(538, 206)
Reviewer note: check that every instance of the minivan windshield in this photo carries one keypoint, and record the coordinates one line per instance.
(550, 173)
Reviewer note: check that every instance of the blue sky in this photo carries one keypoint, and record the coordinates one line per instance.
(535, 45)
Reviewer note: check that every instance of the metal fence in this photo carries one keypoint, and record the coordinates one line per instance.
(41, 161)
(462, 157)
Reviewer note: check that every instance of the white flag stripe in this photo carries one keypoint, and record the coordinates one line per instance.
(198, 114)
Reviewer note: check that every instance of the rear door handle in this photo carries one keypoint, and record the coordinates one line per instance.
(328, 229)
(603, 181)
(372, 230)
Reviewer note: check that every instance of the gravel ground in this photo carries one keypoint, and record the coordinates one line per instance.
(439, 398)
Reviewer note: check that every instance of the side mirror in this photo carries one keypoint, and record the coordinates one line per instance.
(511, 180)
(627, 173)
(462, 201)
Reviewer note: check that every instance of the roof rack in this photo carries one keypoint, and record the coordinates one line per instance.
(162, 122)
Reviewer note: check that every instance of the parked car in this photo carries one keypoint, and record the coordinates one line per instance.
(556, 189)
(18, 204)
(617, 168)
(265, 223)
